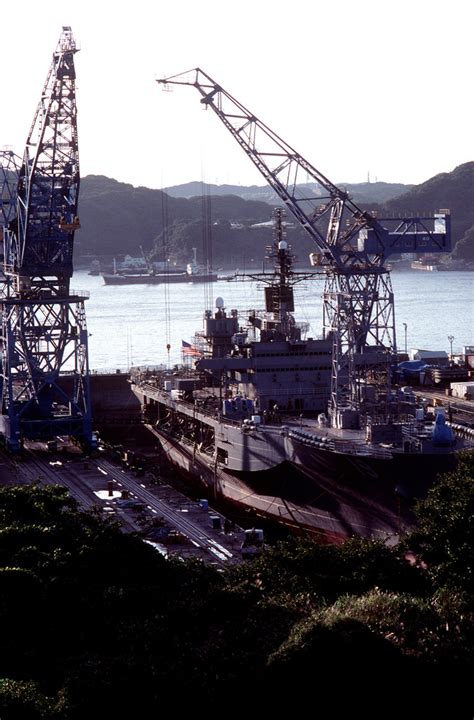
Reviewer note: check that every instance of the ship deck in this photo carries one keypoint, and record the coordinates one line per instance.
(309, 430)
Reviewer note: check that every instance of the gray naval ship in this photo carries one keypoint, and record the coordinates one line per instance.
(247, 422)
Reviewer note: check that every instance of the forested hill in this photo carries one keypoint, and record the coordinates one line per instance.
(118, 219)
(368, 192)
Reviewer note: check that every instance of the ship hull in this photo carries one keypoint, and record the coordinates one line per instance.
(329, 495)
(146, 279)
(409, 474)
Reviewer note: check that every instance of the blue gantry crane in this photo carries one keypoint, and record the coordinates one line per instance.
(44, 353)
(352, 246)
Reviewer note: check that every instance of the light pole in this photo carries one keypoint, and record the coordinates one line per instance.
(451, 338)
(406, 346)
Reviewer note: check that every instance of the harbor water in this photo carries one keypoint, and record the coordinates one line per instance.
(133, 324)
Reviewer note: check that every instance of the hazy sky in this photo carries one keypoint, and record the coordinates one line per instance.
(356, 87)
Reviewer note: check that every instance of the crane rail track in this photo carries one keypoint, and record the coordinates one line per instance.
(51, 470)
(197, 535)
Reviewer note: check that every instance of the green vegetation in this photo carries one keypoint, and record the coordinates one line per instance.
(444, 538)
(97, 623)
(464, 250)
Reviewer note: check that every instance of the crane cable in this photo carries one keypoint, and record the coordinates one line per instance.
(167, 308)
(206, 243)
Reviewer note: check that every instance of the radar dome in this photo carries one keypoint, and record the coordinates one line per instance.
(219, 303)
(282, 245)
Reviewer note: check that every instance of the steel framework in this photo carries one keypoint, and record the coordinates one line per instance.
(352, 245)
(44, 373)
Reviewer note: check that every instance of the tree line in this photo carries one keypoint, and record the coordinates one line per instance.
(95, 622)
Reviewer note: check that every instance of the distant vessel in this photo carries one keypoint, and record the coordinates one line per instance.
(156, 278)
(151, 273)
(419, 265)
(428, 264)
(95, 267)
(248, 424)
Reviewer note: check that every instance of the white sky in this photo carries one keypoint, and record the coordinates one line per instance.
(355, 86)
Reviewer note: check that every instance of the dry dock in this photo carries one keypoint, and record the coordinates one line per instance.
(157, 512)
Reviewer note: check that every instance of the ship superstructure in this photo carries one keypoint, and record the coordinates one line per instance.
(268, 362)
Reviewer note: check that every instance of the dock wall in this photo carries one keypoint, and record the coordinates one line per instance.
(112, 398)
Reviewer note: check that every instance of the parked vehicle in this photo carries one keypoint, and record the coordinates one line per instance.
(253, 543)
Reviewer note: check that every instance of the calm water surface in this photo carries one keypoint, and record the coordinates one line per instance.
(131, 325)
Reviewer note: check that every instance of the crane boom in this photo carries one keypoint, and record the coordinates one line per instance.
(352, 244)
(345, 234)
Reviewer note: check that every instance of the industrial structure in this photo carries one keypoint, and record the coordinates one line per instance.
(352, 247)
(44, 372)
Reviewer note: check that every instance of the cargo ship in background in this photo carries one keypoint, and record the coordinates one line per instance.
(247, 422)
(144, 272)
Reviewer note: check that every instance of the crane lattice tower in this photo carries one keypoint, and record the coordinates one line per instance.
(44, 371)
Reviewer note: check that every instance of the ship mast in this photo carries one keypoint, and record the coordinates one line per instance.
(279, 283)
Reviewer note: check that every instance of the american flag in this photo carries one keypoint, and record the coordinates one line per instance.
(188, 350)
